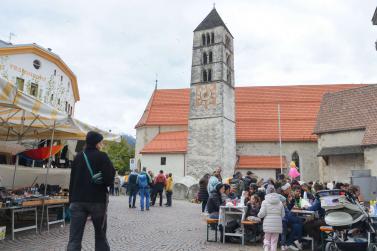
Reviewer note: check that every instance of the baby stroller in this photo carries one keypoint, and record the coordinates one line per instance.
(352, 227)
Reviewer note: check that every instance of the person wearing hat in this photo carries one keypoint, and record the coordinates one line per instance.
(215, 201)
(91, 174)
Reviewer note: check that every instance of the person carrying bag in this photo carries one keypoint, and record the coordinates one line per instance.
(91, 174)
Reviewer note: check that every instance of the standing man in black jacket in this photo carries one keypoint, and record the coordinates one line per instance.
(89, 196)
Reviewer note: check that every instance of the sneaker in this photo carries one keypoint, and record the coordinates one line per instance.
(293, 247)
(284, 248)
(129, 206)
(298, 244)
(147, 209)
(142, 209)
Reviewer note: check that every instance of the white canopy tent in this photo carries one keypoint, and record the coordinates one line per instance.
(24, 117)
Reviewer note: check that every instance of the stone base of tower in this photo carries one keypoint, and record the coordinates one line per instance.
(211, 144)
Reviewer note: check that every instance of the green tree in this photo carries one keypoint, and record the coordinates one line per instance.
(120, 154)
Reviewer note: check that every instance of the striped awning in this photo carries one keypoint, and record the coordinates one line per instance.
(24, 117)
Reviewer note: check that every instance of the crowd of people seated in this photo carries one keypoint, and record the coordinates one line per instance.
(271, 202)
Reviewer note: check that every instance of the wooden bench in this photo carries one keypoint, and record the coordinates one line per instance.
(212, 223)
(248, 223)
(325, 231)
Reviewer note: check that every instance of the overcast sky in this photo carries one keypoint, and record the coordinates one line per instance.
(116, 47)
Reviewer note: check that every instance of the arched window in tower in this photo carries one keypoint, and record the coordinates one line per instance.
(210, 56)
(212, 38)
(204, 58)
(227, 59)
(205, 76)
(209, 75)
(228, 76)
(227, 42)
(208, 39)
(203, 39)
(296, 160)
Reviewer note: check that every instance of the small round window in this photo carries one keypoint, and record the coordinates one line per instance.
(37, 64)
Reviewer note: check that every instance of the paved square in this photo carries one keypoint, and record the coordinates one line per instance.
(180, 227)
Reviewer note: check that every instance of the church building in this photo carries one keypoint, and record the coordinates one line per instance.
(214, 123)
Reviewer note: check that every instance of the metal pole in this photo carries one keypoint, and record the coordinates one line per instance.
(281, 155)
(19, 142)
(46, 176)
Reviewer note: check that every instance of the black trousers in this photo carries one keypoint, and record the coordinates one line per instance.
(158, 192)
(168, 198)
(79, 213)
(204, 204)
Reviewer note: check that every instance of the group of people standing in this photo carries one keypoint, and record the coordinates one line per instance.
(270, 202)
(149, 187)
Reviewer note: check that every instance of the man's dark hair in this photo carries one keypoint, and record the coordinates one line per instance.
(249, 173)
(144, 169)
(170, 174)
(161, 171)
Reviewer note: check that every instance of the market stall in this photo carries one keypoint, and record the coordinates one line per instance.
(24, 117)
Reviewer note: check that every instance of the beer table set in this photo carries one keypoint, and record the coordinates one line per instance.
(32, 206)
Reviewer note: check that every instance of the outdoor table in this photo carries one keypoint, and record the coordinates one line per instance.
(55, 203)
(304, 214)
(20, 209)
(32, 205)
(230, 212)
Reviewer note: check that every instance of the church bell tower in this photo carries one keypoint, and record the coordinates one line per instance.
(211, 129)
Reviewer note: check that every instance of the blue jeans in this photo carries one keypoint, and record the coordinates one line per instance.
(144, 193)
(79, 213)
(132, 197)
(296, 233)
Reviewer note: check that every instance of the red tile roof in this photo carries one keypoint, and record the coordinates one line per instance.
(166, 107)
(350, 110)
(256, 110)
(167, 142)
(260, 162)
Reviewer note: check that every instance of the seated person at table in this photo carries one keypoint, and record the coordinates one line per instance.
(297, 196)
(214, 201)
(254, 189)
(253, 206)
(312, 227)
(305, 189)
(228, 194)
(293, 222)
(355, 191)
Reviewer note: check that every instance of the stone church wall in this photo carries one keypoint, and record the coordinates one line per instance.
(307, 152)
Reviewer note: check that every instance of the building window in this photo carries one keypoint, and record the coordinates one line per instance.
(20, 84)
(37, 64)
(296, 160)
(204, 58)
(212, 38)
(227, 59)
(205, 76)
(208, 39)
(61, 78)
(55, 72)
(163, 161)
(203, 39)
(52, 97)
(228, 76)
(66, 106)
(34, 89)
(209, 75)
(210, 57)
(59, 101)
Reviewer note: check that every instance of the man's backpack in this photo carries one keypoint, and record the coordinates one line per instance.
(143, 181)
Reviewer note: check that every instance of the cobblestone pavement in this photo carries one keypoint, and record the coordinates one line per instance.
(180, 227)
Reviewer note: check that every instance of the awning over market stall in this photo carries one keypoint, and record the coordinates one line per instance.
(24, 117)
